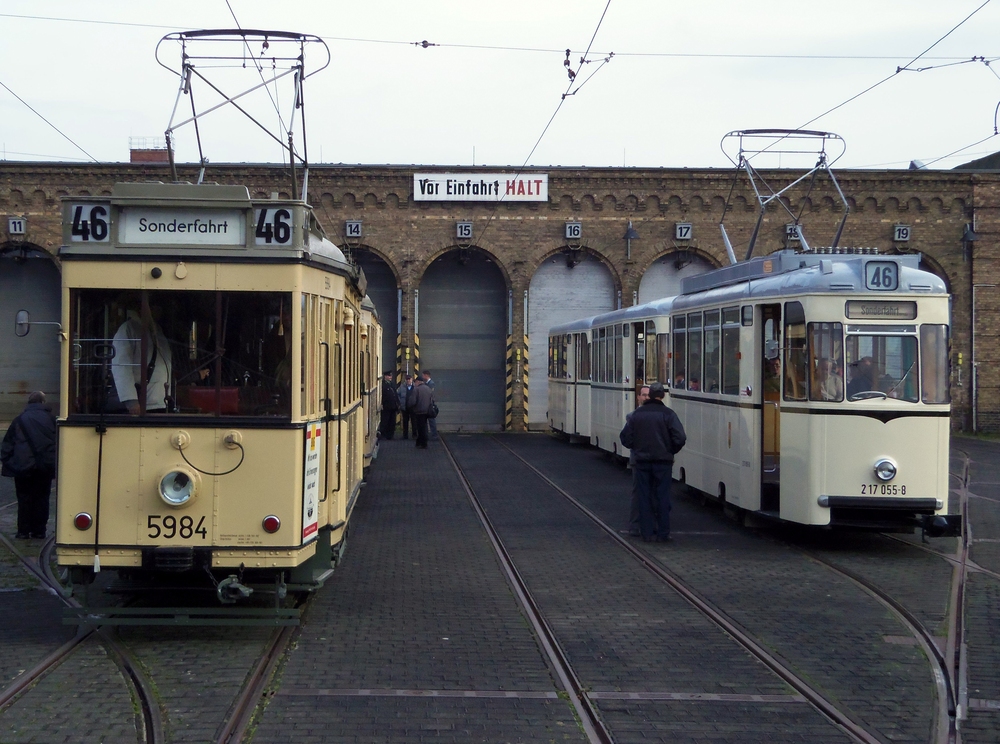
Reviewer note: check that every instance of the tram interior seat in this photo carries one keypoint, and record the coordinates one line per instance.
(196, 399)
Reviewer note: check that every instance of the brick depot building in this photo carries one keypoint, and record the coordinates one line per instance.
(469, 289)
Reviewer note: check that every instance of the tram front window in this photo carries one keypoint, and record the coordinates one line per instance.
(198, 353)
(883, 365)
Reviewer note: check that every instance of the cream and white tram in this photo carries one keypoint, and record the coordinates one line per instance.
(813, 387)
(215, 365)
(371, 362)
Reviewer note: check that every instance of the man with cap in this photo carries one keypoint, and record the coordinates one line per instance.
(390, 404)
(654, 434)
(403, 393)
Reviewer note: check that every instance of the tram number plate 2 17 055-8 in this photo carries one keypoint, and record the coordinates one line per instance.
(169, 527)
(882, 489)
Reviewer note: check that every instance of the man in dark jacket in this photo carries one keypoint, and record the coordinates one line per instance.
(403, 393)
(420, 401)
(654, 435)
(390, 404)
(28, 454)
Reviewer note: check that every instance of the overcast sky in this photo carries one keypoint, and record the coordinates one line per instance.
(682, 76)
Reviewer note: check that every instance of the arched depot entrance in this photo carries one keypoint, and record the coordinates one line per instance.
(385, 294)
(663, 277)
(567, 286)
(29, 280)
(462, 313)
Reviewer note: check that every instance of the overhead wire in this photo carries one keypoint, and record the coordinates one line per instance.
(36, 113)
(562, 99)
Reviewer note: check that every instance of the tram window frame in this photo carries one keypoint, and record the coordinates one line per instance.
(731, 350)
(826, 342)
(678, 353)
(885, 360)
(663, 358)
(216, 340)
(795, 343)
(585, 357)
(934, 388)
(711, 352)
(694, 351)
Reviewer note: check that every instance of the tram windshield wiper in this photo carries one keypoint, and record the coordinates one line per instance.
(903, 378)
(868, 395)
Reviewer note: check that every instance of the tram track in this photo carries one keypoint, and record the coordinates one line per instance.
(150, 724)
(816, 697)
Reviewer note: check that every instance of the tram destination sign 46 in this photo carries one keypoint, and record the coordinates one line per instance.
(481, 187)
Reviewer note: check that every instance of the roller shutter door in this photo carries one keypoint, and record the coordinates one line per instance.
(559, 294)
(463, 339)
(663, 278)
(32, 362)
(383, 292)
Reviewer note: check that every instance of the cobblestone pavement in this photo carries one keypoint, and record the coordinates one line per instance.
(823, 626)
(418, 606)
(982, 593)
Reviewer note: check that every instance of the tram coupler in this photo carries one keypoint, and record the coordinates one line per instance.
(940, 525)
(230, 590)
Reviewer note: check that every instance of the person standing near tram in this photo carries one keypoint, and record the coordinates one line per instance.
(654, 434)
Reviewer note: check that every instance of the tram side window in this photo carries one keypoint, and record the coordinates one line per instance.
(663, 358)
(206, 353)
(826, 361)
(694, 351)
(602, 351)
(712, 352)
(795, 351)
(934, 363)
(731, 351)
(651, 370)
(584, 357)
(618, 353)
(679, 352)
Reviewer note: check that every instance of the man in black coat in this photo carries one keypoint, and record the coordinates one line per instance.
(654, 435)
(390, 404)
(28, 454)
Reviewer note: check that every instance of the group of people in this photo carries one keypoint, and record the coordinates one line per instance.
(414, 401)
(28, 455)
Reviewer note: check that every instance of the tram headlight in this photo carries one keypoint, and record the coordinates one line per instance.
(177, 488)
(885, 469)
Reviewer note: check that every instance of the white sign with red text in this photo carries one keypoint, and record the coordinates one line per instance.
(310, 483)
(481, 187)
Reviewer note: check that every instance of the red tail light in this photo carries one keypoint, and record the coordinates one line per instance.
(82, 521)
(271, 523)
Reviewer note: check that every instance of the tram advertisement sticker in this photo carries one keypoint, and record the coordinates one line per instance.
(310, 482)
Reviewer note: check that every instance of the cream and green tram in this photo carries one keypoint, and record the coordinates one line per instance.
(213, 418)
(814, 389)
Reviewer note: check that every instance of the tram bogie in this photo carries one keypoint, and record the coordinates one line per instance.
(813, 387)
(218, 387)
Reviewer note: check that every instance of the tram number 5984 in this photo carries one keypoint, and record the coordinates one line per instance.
(273, 226)
(170, 526)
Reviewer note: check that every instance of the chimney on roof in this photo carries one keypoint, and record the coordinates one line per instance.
(148, 150)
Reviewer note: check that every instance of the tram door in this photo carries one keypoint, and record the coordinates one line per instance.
(770, 385)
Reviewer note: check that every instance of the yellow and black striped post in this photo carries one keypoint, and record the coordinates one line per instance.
(508, 409)
(524, 380)
(416, 354)
(400, 372)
